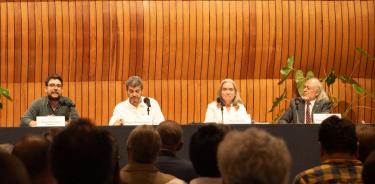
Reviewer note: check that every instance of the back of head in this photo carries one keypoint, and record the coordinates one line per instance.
(12, 171)
(7, 147)
(203, 148)
(170, 134)
(33, 150)
(368, 172)
(253, 156)
(82, 154)
(366, 138)
(143, 144)
(52, 133)
(338, 136)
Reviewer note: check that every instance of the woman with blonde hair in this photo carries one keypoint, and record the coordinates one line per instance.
(228, 107)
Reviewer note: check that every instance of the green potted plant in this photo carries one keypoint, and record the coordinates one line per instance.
(4, 93)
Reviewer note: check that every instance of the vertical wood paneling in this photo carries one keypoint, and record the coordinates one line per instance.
(182, 50)
(59, 37)
(200, 108)
(126, 50)
(99, 62)
(226, 28)
(239, 39)
(299, 32)
(305, 34)
(10, 62)
(165, 65)
(232, 39)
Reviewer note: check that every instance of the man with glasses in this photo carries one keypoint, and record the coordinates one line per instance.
(54, 104)
(137, 109)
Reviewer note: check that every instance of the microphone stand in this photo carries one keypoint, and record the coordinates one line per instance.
(222, 113)
(219, 100)
(296, 103)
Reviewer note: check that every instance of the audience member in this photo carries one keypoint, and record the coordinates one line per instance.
(368, 173)
(167, 161)
(253, 156)
(33, 150)
(12, 171)
(143, 145)
(339, 146)
(7, 147)
(366, 138)
(202, 152)
(83, 154)
(52, 133)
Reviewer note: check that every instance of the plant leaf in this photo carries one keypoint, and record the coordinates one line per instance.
(371, 94)
(358, 89)
(277, 101)
(300, 81)
(290, 62)
(285, 71)
(283, 78)
(309, 75)
(5, 92)
(331, 78)
(347, 79)
(361, 51)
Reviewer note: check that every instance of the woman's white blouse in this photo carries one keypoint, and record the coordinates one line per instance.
(231, 116)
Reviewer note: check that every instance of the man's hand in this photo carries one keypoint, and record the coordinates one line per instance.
(32, 123)
(119, 122)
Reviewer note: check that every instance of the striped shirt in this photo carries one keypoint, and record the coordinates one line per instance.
(332, 171)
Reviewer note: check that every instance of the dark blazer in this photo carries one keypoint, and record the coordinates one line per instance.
(168, 162)
(296, 111)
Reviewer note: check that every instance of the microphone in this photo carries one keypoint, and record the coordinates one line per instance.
(220, 101)
(296, 103)
(66, 102)
(146, 100)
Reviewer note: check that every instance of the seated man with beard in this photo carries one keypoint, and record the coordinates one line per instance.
(314, 100)
(54, 104)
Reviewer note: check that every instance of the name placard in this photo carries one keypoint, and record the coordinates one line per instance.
(50, 121)
(319, 118)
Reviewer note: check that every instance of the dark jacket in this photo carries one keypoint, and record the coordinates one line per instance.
(296, 111)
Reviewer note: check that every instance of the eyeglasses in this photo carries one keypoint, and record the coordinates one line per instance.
(55, 85)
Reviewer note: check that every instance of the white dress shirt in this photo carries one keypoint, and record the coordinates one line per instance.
(132, 115)
(233, 116)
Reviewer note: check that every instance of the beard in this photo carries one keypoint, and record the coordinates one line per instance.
(135, 100)
(50, 97)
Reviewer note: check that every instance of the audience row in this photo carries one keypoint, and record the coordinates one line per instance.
(82, 153)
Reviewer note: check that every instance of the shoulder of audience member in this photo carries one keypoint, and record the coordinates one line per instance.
(176, 181)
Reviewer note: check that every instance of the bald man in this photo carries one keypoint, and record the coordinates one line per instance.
(314, 100)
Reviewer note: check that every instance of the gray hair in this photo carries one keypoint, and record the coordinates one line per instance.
(237, 99)
(134, 81)
(322, 95)
(249, 156)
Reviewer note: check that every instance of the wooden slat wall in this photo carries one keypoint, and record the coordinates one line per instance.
(182, 49)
